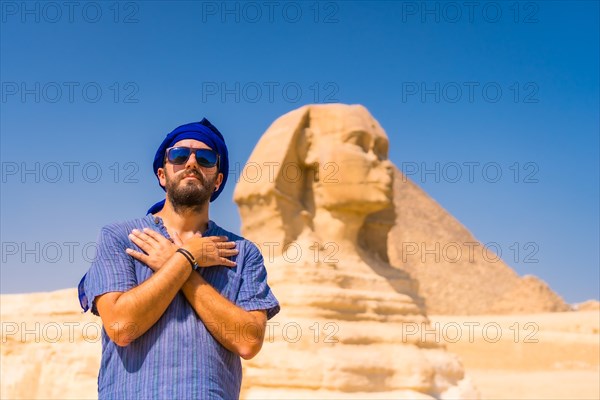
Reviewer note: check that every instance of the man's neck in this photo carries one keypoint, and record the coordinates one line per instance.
(185, 222)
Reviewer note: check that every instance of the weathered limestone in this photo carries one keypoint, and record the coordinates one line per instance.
(325, 170)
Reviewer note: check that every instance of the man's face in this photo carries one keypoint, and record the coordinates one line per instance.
(189, 185)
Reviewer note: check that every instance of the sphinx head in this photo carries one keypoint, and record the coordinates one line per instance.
(350, 150)
(317, 158)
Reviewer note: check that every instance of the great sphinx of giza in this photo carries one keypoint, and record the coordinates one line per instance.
(307, 197)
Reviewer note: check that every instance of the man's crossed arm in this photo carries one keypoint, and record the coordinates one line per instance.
(128, 315)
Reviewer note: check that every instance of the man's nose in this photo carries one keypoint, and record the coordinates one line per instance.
(191, 162)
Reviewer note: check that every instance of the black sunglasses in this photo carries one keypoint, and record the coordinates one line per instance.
(204, 157)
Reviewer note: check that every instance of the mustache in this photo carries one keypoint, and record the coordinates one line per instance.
(193, 173)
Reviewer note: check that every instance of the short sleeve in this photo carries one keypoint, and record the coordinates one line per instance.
(255, 293)
(112, 269)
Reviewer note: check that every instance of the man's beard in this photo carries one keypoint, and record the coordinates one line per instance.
(192, 195)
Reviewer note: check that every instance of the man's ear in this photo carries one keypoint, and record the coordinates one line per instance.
(218, 181)
(161, 177)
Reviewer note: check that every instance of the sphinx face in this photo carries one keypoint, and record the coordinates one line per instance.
(354, 172)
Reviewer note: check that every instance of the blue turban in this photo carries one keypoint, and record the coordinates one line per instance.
(203, 131)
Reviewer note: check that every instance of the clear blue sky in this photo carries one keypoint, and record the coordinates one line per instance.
(94, 87)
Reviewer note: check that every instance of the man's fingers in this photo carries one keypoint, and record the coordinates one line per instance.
(142, 236)
(137, 255)
(141, 240)
(218, 238)
(227, 263)
(155, 235)
(228, 252)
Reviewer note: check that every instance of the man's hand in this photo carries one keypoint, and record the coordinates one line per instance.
(211, 250)
(157, 249)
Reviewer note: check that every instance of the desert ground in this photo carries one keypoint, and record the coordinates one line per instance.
(537, 356)
(51, 350)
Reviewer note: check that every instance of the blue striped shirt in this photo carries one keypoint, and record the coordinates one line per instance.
(177, 358)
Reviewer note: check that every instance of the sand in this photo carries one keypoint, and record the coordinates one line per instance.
(549, 356)
(553, 355)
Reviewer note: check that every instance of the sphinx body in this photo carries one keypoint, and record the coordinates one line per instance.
(320, 208)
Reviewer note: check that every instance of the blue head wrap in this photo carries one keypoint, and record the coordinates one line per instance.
(203, 131)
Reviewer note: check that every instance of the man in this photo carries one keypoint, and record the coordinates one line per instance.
(181, 299)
